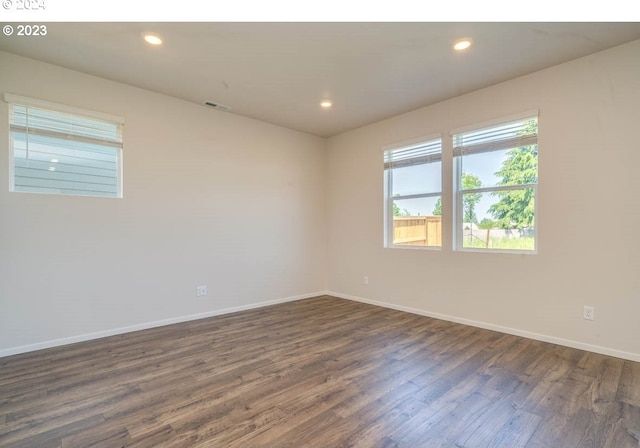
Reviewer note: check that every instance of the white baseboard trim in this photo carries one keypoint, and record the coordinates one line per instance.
(526, 334)
(487, 326)
(146, 325)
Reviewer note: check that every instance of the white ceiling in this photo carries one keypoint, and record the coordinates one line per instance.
(279, 72)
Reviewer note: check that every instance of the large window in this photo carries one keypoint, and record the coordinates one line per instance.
(496, 177)
(63, 150)
(413, 189)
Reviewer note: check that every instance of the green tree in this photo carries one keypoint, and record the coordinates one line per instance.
(486, 223)
(398, 212)
(470, 200)
(437, 209)
(516, 208)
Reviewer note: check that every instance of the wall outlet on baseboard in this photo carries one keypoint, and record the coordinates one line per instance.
(365, 280)
(201, 291)
(588, 312)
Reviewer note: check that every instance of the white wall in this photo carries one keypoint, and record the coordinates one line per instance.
(210, 198)
(589, 170)
(261, 213)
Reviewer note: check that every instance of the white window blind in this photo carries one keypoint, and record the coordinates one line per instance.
(413, 155)
(523, 132)
(62, 152)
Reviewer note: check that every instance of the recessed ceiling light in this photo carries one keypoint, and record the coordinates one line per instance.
(462, 44)
(54, 160)
(326, 104)
(52, 168)
(153, 39)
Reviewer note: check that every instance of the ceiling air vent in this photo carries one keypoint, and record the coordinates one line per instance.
(218, 106)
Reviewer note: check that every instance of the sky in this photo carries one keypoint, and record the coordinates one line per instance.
(427, 179)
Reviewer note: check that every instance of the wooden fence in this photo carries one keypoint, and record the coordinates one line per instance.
(417, 230)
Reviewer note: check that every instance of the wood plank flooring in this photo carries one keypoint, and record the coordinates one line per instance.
(321, 372)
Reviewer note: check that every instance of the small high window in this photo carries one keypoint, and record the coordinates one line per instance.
(63, 150)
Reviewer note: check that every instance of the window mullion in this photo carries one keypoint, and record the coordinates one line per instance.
(499, 188)
(417, 196)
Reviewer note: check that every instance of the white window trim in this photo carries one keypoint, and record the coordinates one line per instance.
(458, 192)
(19, 100)
(63, 108)
(388, 187)
(495, 122)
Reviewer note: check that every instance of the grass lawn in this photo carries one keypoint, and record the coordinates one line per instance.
(523, 243)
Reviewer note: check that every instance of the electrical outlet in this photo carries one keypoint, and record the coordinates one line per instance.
(365, 280)
(201, 291)
(588, 312)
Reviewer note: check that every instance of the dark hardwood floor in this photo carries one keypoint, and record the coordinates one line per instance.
(321, 372)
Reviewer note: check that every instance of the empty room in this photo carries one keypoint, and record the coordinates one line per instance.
(319, 234)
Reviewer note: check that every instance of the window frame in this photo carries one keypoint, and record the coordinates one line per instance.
(76, 112)
(459, 192)
(388, 189)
